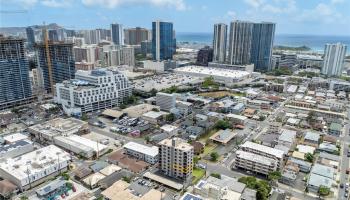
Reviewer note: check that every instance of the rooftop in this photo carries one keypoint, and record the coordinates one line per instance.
(255, 158)
(240, 117)
(223, 136)
(177, 143)
(312, 136)
(34, 162)
(210, 71)
(323, 170)
(336, 126)
(14, 137)
(151, 151)
(262, 148)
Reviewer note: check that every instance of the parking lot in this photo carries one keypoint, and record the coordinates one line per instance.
(163, 81)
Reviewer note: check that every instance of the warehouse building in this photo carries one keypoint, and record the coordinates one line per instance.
(80, 146)
(35, 167)
(221, 75)
(58, 127)
(142, 152)
(16, 149)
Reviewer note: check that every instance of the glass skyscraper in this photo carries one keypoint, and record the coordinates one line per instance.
(30, 37)
(163, 40)
(14, 71)
(117, 34)
(262, 44)
(219, 42)
(62, 62)
(240, 41)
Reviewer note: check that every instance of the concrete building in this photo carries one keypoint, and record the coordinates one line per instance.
(265, 151)
(163, 40)
(35, 167)
(204, 56)
(62, 63)
(80, 146)
(240, 41)
(221, 75)
(142, 152)
(128, 56)
(159, 66)
(165, 101)
(255, 163)
(92, 90)
(15, 84)
(134, 36)
(58, 127)
(176, 158)
(219, 43)
(334, 55)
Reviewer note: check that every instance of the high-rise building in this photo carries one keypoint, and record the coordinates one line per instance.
(93, 90)
(134, 36)
(176, 158)
(163, 40)
(333, 63)
(30, 37)
(128, 56)
(53, 35)
(85, 53)
(117, 34)
(14, 71)
(262, 44)
(204, 56)
(240, 41)
(165, 101)
(61, 61)
(146, 47)
(219, 43)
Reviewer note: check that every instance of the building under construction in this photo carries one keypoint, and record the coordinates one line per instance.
(56, 61)
(15, 86)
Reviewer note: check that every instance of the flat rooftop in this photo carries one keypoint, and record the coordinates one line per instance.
(139, 110)
(15, 137)
(223, 136)
(275, 152)
(35, 161)
(59, 126)
(163, 180)
(177, 143)
(255, 158)
(210, 71)
(150, 151)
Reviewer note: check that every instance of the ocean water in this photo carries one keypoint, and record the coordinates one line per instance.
(315, 42)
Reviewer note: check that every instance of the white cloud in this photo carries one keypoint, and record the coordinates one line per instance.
(56, 3)
(26, 3)
(321, 13)
(254, 3)
(337, 1)
(231, 14)
(177, 4)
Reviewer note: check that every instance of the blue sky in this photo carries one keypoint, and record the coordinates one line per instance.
(318, 17)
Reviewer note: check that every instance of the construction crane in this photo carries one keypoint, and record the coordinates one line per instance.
(48, 57)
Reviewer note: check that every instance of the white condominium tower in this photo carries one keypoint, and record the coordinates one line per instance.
(333, 63)
(240, 40)
(176, 158)
(219, 42)
(92, 90)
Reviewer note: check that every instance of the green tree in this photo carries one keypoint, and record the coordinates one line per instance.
(214, 156)
(147, 139)
(209, 82)
(216, 175)
(153, 92)
(24, 198)
(170, 117)
(262, 117)
(309, 157)
(222, 124)
(196, 159)
(323, 190)
(84, 117)
(65, 176)
(155, 109)
(126, 179)
(262, 187)
(276, 175)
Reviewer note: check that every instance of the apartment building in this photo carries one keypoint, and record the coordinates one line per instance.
(142, 152)
(92, 90)
(176, 158)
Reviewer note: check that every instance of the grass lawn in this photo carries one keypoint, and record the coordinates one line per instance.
(220, 94)
(198, 173)
(208, 149)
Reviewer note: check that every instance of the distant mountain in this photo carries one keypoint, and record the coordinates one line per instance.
(22, 30)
